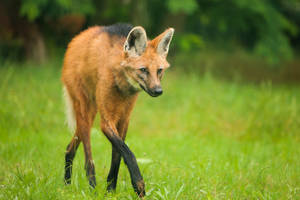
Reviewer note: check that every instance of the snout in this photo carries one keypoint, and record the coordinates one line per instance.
(153, 92)
(156, 91)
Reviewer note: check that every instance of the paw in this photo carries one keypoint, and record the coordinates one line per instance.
(139, 188)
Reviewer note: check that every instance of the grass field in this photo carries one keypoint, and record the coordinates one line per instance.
(202, 139)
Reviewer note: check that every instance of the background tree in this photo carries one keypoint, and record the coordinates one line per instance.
(268, 29)
(26, 24)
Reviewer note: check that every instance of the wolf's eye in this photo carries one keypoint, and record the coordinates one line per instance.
(143, 69)
(159, 71)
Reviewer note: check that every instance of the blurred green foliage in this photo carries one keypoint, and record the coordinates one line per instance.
(190, 42)
(268, 29)
(187, 6)
(32, 9)
(259, 25)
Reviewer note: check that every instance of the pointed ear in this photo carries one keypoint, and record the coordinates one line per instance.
(136, 42)
(163, 42)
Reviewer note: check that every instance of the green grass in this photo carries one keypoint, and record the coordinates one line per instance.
(206, 139)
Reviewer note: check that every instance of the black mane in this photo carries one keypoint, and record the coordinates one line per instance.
(120, 29)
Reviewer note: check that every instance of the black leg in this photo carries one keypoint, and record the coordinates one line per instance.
(90, 172)
(114, 170)
(89, 163)
(129, 159)
(69, 157)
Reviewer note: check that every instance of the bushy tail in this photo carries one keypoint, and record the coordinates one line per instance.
(69, 110)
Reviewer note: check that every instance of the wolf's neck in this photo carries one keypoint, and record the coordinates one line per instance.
(126, 85)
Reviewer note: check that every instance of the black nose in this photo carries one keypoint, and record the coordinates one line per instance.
(158, 91)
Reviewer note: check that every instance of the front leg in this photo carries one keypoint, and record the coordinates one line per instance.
(129, 158)
(114, 170)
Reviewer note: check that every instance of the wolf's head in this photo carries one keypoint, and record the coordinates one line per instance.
(145, 61)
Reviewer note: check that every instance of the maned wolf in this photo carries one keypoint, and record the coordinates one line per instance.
(104, 69)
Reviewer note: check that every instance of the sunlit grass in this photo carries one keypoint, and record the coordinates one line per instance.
(203, 139)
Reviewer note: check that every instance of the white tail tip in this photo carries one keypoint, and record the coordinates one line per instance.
(69, 110)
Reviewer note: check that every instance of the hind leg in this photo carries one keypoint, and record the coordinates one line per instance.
(85, 112)
(70, 154)
(89, 163)
(85, 117)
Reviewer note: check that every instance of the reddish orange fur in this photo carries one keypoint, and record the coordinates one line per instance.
(96, 79)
